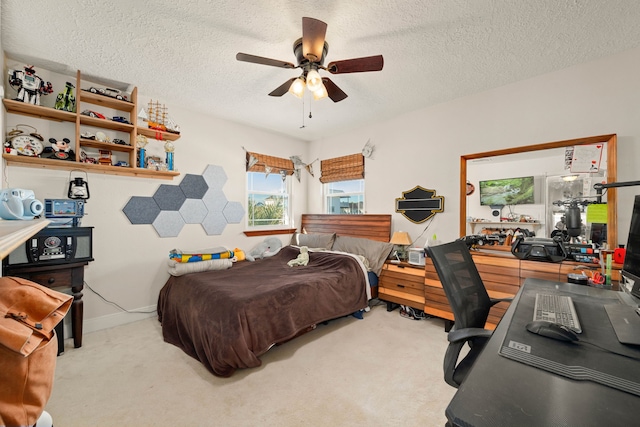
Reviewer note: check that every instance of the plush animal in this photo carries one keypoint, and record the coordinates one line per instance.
(302, 259)
(269, 247)
(59, 149)
(238, 255)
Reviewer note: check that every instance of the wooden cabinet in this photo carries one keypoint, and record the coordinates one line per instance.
(402, 284)
(502, 275)
(86, 100)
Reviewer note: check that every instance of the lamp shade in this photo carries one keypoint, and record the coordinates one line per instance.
(320, 93)
(400, 238)
(297, 87)
(314, 81)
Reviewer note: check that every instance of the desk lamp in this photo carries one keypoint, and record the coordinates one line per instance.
(401, 240)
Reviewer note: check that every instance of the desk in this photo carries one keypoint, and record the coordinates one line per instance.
(503, 392)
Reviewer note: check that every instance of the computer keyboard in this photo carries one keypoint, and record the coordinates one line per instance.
(557, 309)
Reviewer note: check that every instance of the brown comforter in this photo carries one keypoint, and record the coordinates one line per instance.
(227, 319)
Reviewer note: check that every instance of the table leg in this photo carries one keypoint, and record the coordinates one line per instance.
(77, 313)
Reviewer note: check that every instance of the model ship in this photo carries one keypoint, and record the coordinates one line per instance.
(158, 119)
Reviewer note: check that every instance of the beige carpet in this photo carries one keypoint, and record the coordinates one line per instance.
(383, 370)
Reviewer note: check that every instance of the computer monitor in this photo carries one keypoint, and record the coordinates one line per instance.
(631, 266)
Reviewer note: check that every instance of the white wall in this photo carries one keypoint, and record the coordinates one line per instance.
(424, 147)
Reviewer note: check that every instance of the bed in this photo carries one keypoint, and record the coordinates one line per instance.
(227, 319)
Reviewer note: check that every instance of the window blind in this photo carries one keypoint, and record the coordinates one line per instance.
(276, 164)
(343, 168)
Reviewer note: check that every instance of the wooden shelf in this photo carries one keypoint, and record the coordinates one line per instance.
(37, 162)
(105, 124)
(504, 224)
(105, 145)
(84, 99)
(38, 111)
(107, 101)
(152, 133)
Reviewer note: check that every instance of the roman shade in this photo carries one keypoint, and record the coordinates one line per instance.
(343, 168)
(268, 164)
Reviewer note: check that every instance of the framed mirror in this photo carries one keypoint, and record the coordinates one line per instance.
(550, 186)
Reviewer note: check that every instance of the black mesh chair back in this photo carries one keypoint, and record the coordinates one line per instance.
(462, 284)
(469, 302)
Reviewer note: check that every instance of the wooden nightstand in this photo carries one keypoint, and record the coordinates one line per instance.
(402, 284)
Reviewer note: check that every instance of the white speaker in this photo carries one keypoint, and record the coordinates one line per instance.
(496, 210)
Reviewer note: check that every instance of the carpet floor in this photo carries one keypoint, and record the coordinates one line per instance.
(382, 370)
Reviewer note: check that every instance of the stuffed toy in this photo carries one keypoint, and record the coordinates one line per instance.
(302, 259)
(238, 255)
(268, 248)
(59, 150)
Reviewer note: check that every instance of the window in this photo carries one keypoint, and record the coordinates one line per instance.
(343, 189)
(268, 191)
(344, 197)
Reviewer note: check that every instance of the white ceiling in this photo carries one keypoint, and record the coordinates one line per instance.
(182, 52)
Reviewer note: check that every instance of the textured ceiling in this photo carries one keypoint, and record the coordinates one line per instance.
(183, 52)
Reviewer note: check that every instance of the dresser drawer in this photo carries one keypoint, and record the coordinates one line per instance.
(53, 278)
(402, 284)
(408, 279)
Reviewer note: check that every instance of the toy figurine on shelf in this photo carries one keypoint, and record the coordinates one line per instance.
(169, 148)
(158, 119)
(29, 85)
(65, 100)
(59, 149)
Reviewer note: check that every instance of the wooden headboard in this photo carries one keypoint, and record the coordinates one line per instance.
(369, 226)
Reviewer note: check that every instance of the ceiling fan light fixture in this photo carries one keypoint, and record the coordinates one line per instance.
(320, 93)
(314, 81)
(297, 87)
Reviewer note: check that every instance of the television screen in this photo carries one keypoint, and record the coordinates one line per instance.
(509, 191)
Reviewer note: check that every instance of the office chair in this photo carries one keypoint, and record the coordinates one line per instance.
(470, 303)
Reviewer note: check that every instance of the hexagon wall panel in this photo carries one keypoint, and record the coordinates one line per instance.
(215, 176)
(233, 212)
(193, 186)
(214, 223)
(141, 210)
(193, 211)
(215, 200)
(198, 199)
(169, 197)
(168, 223)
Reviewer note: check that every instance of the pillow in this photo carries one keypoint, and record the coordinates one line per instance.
(375, 252)
(313, 240)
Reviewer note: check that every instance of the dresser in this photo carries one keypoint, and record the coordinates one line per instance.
(403, 284)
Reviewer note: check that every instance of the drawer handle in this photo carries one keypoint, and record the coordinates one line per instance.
(399, 285)
(51, 280)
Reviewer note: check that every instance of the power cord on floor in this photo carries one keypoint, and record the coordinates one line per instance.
(116, 304)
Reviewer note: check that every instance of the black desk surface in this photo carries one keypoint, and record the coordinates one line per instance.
(503, 392)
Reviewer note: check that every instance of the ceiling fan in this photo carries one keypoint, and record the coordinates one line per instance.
(310, 51)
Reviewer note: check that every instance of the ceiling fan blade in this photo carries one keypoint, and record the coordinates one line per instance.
(245, 57)
(356, 65)
(283, 88)
(333, 91)
(313, 32)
